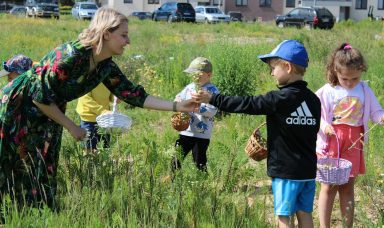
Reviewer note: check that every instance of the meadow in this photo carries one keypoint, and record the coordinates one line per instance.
(129, 185)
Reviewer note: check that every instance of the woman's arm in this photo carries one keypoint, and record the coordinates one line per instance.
(164, 105)
(54, 113)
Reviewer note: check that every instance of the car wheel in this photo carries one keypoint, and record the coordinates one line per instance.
(280, 24)
(169, 19)
(206, 21)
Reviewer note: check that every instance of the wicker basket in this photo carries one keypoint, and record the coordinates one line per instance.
(180, 121)
(114, 119)
(257, 145)
(333, 171)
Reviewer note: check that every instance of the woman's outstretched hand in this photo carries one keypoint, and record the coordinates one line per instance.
(202, 96)
(187, 106)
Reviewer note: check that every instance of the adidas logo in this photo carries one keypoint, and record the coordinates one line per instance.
(302, 116)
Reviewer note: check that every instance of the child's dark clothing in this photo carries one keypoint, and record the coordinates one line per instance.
(293, 120)
(199, 148)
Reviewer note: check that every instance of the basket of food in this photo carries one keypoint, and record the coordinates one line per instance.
(333, 171)
(114, 119)
(256, 147)
(180, 121)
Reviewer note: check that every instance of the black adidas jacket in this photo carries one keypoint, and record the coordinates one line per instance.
(293, 120)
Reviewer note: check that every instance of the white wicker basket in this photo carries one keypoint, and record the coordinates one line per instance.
(114, 119)
(333, 171)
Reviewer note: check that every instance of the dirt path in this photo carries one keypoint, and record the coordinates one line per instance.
(364, 210)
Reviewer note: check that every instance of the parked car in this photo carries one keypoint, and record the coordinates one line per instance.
(235, 16)
(311, 17)
(84, 10)
(175, 11)
(210, 14)
(5, 7)
(18, 10)
(142, 15)
(42, 8)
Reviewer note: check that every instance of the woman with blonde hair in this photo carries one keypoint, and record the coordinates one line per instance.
(32, 113)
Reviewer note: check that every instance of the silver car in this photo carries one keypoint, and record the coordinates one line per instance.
(210, 14)
(18, 10)
(84, 10)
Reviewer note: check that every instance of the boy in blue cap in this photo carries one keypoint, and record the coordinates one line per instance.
(293, 120)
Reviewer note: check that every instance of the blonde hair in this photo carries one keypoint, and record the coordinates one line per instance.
(296, 68)
(105, 19)
(344, 56)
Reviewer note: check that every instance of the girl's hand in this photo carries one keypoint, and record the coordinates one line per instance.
(77, 132)
(202, 96)
(329, 130)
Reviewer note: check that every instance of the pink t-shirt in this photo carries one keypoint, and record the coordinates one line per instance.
(348, 105)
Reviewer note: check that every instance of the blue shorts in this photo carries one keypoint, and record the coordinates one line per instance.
(291, 196)
(94, 136)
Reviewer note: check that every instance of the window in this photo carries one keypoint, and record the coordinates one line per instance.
(265, 3)
(218, 2)
(241, 2)
(151, 1)
(127, 1)
(380, 5)
(290, 3)
(361, 4)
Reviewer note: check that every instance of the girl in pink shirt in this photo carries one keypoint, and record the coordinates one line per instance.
(347, 103)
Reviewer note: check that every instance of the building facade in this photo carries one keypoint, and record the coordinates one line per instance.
(344, 9)
(264, 10)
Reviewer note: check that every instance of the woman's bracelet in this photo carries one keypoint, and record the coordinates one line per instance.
(174, 106)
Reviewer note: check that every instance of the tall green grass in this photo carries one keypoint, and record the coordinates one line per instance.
(130, 184)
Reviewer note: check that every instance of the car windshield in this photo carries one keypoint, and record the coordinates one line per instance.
(88, 6)
(44, 1)
(185, 6)
(213, 10)
(325, 12)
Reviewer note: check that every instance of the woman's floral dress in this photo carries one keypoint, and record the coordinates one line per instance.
(29, 140)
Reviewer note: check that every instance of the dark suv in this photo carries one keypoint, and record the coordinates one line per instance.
(175, 11)
(311, 17)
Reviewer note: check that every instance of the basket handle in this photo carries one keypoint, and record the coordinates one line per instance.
(338, 149)
(114, 107)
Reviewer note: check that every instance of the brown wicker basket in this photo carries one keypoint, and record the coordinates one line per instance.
(180, 121)
(257, 145)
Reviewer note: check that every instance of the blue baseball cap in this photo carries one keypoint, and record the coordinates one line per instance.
(18, 63)
(289, 50)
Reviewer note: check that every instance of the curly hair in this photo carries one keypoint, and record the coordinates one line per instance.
(344, 56)
(105, 19)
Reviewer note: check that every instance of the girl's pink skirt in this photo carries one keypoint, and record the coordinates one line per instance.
(347, 135)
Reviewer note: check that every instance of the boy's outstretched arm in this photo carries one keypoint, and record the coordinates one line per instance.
(256, 105)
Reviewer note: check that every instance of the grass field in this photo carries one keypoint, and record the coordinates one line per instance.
(130, 185)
